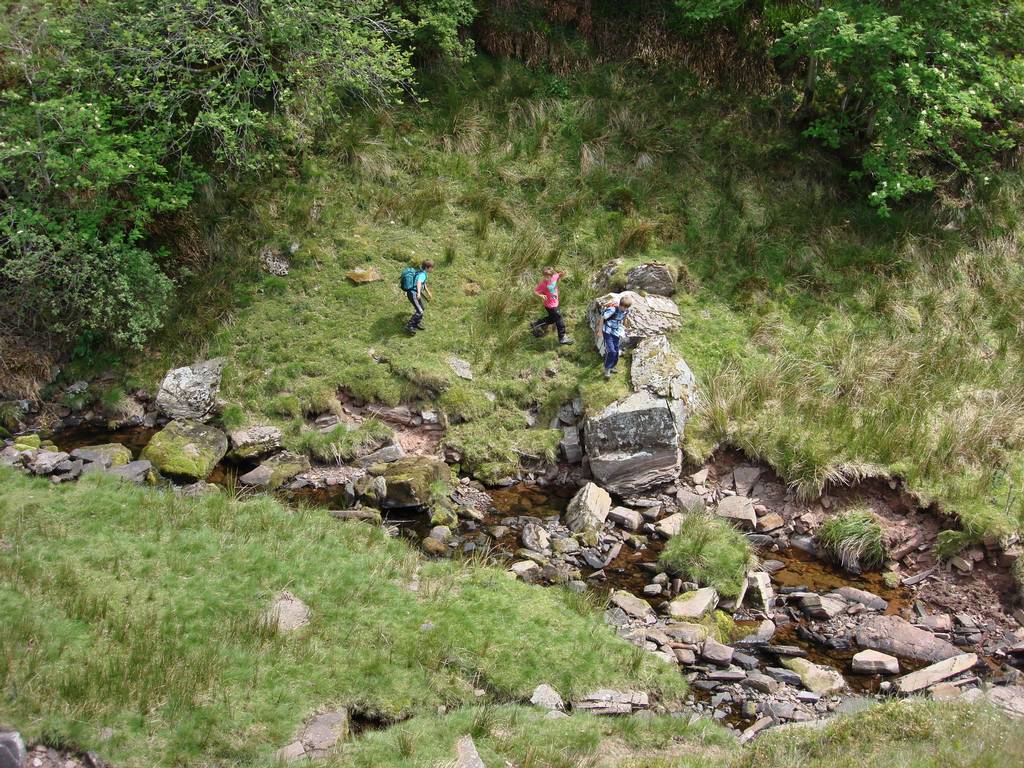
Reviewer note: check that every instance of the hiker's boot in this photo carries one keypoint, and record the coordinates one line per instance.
(566, 340)
(419, 327)
(607, 373)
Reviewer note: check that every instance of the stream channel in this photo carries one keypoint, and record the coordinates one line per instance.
(497, 537)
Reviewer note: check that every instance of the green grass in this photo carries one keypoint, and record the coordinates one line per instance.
(895, 735)
(853, 539)
(711, 552)
(132, 609)
(521, 736)
(828, 342)
(341, 443)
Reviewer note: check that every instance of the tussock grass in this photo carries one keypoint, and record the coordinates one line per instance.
(827, 342)
(711, 552)
(853, 539)
(341, 443)
(135, 609)
(914, 734)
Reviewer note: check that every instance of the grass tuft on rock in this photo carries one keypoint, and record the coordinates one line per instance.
(709, 551)
(854, 540)
(341, 443)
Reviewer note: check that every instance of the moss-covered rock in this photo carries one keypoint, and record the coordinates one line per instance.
(186, 449)
(25, 442)
(416, 481)
(275, 471)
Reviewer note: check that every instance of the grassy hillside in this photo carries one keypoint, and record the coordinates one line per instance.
(132, 628)
(827, 341)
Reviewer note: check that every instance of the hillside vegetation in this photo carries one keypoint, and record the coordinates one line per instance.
(827, 341)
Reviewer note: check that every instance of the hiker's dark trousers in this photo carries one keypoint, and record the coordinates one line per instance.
(417, 309)
(553, 317)
(611, 350)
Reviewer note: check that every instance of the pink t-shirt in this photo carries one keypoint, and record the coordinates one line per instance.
(548, 288)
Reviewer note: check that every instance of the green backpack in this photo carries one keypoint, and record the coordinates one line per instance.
(408, 281)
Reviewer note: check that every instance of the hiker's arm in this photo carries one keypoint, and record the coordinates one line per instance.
(426, 290)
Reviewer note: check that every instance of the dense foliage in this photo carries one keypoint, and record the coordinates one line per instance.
(113, 112)
(923, 93)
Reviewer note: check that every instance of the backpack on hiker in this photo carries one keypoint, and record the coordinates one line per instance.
(408, 280)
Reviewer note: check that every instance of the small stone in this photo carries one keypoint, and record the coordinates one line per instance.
(716, 652)
(822, 606)
(693, 605)
(816, 678)
(744, 478)
(361, 275)
(523, 567)
(466, 755)
(875, 663)
(937, 672)
(670, 526)
(631, 604)
(961, 564)
(546, 697)
(287, 612)
(626, 518)
(462, 368)
(770, 522)
(759, 589)
(867, 599)
(738, 508)
(685, 656)
(535, 537)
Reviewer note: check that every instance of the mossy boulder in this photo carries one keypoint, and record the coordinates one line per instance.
(26, 442)
(186, 449)
(416, 481)
(275, 471)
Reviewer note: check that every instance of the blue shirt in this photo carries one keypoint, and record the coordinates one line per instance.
(421, 278)
(613, 319)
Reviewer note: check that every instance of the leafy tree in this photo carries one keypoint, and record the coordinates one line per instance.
(924, 93)
(113, 111)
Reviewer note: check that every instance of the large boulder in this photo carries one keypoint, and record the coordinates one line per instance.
(588, 509)
(657, 368)
(649, 316)
(415, 481)
(186, 449)
(191, 392)
(254, 442)
(652, 277)
(633, 444)
(898, 637)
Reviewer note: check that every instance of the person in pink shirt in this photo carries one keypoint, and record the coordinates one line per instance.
(547, 289)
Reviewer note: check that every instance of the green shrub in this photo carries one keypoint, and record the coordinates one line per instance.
(711, 552)
(853, 539)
